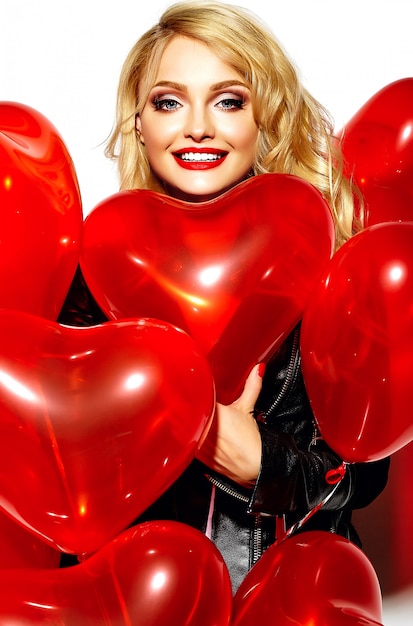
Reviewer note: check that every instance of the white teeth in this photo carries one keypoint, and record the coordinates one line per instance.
(199, 156)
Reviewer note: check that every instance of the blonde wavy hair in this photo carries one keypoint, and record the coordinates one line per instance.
(295, 131)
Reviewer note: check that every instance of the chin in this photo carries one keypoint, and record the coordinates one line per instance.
(196, 197)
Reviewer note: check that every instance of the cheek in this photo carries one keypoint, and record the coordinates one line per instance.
(241, 128)
(160, 135)
(247, 141)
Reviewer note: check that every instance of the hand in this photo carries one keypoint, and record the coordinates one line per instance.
(233, 444)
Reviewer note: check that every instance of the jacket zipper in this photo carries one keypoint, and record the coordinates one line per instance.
(292, 368)
(257, 530)
(227, 489)
(257, 540)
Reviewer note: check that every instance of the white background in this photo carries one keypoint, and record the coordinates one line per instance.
(63, 58)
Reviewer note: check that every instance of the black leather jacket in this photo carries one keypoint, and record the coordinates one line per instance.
(292, 480)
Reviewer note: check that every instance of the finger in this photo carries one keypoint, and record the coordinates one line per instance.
(252, 388)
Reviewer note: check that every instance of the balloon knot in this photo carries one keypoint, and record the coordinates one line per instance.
(334, 476)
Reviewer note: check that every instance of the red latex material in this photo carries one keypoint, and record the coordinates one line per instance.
(313, 579)
(378, 146)
(357, 345)
(40, 213)
(19, 548)
(154, 574)
(236, 273)
(96, 423)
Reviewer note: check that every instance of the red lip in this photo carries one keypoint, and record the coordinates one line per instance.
(199, 165)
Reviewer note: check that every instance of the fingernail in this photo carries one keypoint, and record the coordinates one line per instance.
(261, 370)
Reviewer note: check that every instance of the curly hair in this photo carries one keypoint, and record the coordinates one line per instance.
(296, 133)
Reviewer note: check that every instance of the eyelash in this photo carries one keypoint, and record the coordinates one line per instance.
(161, 104)
(237, 103)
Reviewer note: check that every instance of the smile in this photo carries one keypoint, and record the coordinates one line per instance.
(196, 160)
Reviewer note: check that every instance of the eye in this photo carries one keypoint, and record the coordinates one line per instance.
(165, 104)
(231, 104)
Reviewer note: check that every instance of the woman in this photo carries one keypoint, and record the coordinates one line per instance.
(207, 98)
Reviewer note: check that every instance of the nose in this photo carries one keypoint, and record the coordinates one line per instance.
(199, 125)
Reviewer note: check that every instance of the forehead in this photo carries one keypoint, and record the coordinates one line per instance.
(187, 61)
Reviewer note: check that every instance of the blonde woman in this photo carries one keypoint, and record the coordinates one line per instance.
(206, 99)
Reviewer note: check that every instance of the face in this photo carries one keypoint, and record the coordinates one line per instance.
(197, 125)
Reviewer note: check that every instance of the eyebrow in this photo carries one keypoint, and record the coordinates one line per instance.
(215, 87)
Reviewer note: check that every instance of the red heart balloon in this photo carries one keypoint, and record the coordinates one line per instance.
(378, 147)
(41, 213)
(357, 345)
(19, 548)
(154, 574)
(235, 273)
(313, 578)
(95, 423)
